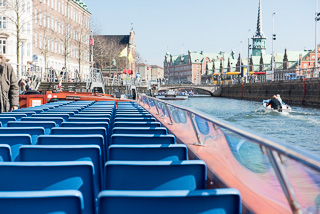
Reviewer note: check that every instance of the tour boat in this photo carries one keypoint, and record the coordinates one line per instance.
(91, 155)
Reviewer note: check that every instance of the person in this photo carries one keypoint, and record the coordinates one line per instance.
(52, 74)
(274, 103)
(279, 98)
(22, 86)
(9, 90)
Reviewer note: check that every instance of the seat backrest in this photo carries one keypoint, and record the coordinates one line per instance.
(47, 125)
(5, 152)
(34, 132)
(137, 124)
(14, 141)
(5, 120)
(142, 139)
(92, 115)
(18, 116)
(61, 109)
(155, 175)
(36, 176)
(64, 116)
(70, 113)
(58, 120)
(134, 119)
(134, 115)
(84, 131)
(213, 201)
(28, 113)
(36, 111)
(89, 119)
(39, 202)
(85, 124)
(38, 153)
(164, 152)
(139, 130)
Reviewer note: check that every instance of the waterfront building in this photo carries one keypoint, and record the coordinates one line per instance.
(51, 34)
(151, 73)
(106, 53)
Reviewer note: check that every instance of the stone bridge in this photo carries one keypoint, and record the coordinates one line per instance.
(212, 89)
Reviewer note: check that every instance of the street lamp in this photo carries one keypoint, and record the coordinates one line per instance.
(273, 38)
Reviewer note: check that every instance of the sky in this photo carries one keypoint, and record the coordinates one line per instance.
(177, 26)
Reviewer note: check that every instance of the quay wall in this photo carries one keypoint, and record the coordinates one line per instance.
(295, 92)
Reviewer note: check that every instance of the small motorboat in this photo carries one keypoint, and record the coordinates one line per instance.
(172, 95)
(285, 107)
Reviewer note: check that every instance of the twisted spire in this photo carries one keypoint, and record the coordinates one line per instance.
(259, 32)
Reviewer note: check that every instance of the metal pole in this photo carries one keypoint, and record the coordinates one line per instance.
(92, 52)
(169, 113)
(248, 68)
(316, 49)
(191, 116)
(273, 37)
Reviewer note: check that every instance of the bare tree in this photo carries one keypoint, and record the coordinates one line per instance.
(18, 13)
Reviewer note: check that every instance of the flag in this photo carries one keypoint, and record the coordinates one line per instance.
(130, 58)
(124, 52)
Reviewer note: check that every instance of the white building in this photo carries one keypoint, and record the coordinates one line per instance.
(53, 34)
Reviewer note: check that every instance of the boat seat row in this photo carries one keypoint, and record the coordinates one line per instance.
(124, 167)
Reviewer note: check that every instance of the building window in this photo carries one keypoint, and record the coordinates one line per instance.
(35, 40)
(28, 50)
(3, 45)
(3, 22)
(3, 3)
(40, 42)
(40, 19)
(35, 16)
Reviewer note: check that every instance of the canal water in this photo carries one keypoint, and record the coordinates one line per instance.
(300, 127)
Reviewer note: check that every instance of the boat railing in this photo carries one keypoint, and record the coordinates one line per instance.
(270, 168)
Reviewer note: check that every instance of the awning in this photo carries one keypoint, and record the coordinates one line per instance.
(216, 74)
(258, 73)
(233, 73)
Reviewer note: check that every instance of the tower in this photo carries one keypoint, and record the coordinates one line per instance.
(259, 39)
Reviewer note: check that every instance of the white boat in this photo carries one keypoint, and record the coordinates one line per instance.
(172, 95)
(285, 107)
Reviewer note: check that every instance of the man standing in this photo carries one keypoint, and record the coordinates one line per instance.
(9, 90)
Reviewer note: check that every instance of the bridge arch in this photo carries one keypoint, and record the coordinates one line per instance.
(212, 90)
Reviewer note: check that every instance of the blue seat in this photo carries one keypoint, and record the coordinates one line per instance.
(18, 116)
(34, 132)
(14, 141)
(131, 112)
(57, 120)
(92, 115)
(37, 111)
(164, 152)
(85, 124)
(47, 125)
(139, 130)
(39, 202)
(155, 175)
(89, 119)
(142, 139)
(65, 153)
(75, 111)
(134, 115)
(134, 119)
(28, 113)
(36, 176)
(84, 131)
(70, 113)
(5, 152)
(137, 124)
(93, 139)
(64, 116)
(5, 120)
(213, 201)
